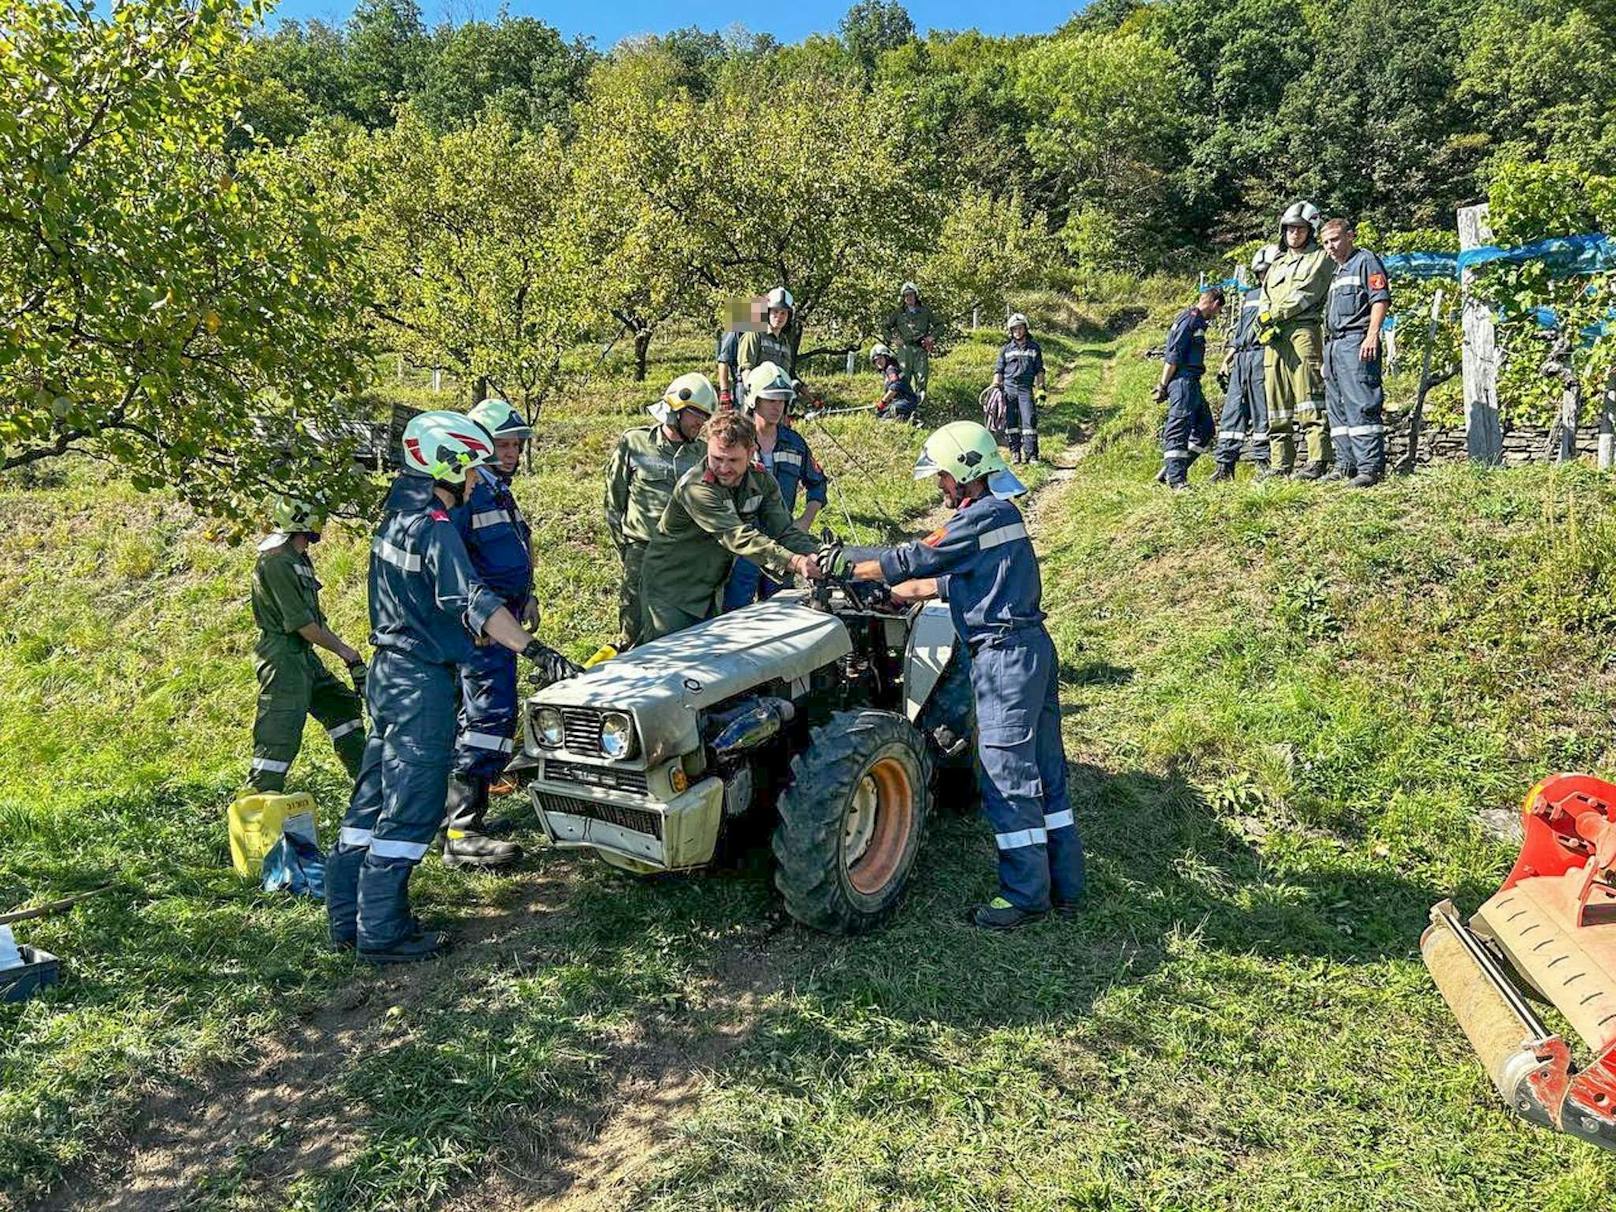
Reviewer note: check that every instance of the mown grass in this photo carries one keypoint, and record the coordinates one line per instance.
(1285, 707)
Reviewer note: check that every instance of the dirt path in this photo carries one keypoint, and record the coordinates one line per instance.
(252, 1128)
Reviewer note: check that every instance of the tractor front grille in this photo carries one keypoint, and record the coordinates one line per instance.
(609, 777)
(636, 819)
(581, 727)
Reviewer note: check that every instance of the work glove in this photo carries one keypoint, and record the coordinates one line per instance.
(549, 665)
(1265, 328)
(1223, 379)
(357, 672)
(726, 397)
(1040, 396)
(832, 560)
(1158, 393)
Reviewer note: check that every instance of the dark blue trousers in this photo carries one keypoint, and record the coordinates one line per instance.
(1021, 419)
(397, 802)
(1245, 410)
(486, 737)
(1023, 769)
(1188, 433)
(1355, 399)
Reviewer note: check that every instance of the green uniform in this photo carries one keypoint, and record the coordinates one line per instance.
(1293, 295)
(292, 681)
(905, 331)
(639, 485)
(756, 348)
(702, 531)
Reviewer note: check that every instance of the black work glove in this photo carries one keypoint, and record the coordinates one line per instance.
(1158, 393)
(357, 671)
(1223, 379)
(832, 560)
(549, 665)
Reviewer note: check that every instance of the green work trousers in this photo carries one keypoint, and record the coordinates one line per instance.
(292, 685)
(629, 610)
(1293, 382)
(916, 364)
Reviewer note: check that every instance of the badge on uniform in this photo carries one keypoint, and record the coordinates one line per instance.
(1377, 281)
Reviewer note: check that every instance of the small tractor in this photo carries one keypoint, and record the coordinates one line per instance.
(824, 714)
(1548, 936)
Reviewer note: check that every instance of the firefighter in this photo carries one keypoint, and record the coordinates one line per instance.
(499, 543)
(912, 333)
(1245, 409)
(899, 401)
(982, 563)
(427, 608)
(777, 342)
(293, 683)
(1359, 299)
(1189, 421)
(1289, 326)
(784, 452)
(726, 507)
(639, 483)
(1019, 371)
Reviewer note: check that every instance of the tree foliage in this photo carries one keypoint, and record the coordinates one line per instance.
(163, 301)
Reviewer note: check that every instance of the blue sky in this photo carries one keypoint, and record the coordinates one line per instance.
(615, 19)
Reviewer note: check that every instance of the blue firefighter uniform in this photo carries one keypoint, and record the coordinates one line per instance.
(1245, 408)
(1020, 363)
(904, 403)
(499, 542)
(794, 468)
(988, 574)
(1188, 432)
(426, 604)
(1353, 393)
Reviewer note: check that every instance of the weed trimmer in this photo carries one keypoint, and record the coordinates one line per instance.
(1548, 935)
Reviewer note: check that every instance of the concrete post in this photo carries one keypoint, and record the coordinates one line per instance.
(1484, 434)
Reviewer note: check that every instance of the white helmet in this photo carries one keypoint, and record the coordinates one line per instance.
(445, 445)
(1263, 258)
(694, 390)
(1017, 318)
(500, 419)
(291, 515)
(879, 350)
(906, 288)
(768, 380)
(1299, 213)
(967, 451)
(781, 297)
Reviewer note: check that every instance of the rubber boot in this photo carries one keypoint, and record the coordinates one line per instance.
(388, 931)
(1000, 914)
(342, 894)
(1312, 471)
(1224, 473)
(465, 843)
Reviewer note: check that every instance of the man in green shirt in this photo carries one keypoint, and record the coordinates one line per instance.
(776, 343)
(639, 483)
(912, 333)
(292, 681)
(1290, 324)
(728, 506)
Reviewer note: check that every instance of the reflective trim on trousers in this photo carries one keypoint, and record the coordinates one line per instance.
(353, 837)
(1231, 435)
(1004, 534)
(1021, 838)
(1365, 431)
(1175, 454)
(1339, 431)
(1060, 820)
(487, 740)
(342, 730)
(271, 765)
(386, 847)
(1196, 448)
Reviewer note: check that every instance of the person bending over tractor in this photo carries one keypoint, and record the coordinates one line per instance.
(982, 563)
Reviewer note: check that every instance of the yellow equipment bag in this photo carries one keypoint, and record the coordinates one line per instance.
(257, 822)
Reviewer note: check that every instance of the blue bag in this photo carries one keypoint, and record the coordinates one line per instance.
(294, 864)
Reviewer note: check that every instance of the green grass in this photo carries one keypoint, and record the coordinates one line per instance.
(1285, 707)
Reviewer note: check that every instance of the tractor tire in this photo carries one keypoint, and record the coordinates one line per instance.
(851, 821)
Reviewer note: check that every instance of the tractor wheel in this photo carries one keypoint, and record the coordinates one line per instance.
(851, 821)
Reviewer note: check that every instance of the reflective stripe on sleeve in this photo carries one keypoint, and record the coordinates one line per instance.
(487, 740)
(1004, 534)
(386, 847)
(1059, 820)
(396, 556)
(1021, 838)
(354, 837)
(342, 730)
(789, 457)
(271, 765)
(489, 517)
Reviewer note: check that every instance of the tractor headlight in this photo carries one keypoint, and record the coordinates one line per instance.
(549, 728)
(616, 735)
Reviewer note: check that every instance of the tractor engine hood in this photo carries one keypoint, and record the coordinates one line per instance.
(665, 683)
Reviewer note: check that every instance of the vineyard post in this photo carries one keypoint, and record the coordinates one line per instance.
(1484, 435)
(1416, 416)
(1607, 424)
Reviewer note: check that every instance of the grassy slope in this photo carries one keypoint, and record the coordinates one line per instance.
(1284, 707)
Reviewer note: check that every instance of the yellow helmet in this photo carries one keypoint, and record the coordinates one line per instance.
(694, 390)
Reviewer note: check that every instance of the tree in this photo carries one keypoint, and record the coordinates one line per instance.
(519, 65)
(469, 237)
(386, 54)
(873, 27)
(163, 303)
